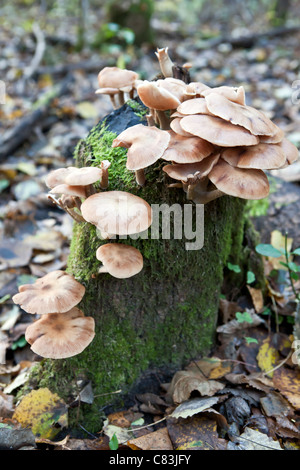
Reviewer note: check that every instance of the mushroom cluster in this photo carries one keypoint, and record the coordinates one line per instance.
(215, 143)
(62, 330)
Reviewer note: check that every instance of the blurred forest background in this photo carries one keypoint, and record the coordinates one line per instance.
(51, 54)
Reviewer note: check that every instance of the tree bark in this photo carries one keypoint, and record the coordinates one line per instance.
(162, 317)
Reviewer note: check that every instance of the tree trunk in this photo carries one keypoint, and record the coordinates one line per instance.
(165, 315)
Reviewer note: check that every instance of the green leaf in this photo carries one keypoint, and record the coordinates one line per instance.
(250, 277)
(113, 443)
(20, 343)
(296, 252)
(243, 317)
(234, 267)
(251, 340)
(268, 250)
(3, 185)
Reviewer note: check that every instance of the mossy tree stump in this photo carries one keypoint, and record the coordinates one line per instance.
(162, 317)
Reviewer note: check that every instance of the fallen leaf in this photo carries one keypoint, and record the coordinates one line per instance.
(267, 357)
(193, 406)
(186, 382)
(257, 298)
(287, 381)
(251, 439)
(211, 367)
(42, 411)
(156, 440)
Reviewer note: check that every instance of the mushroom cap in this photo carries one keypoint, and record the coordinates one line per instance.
(239, 182)
(173, 85)
(83, 176)
(58, 176)
(61, 335)
(176, 127)
(261, 156)
(237, 95)
(290, 151)
(156, 97)
(196, 89)
(248, 117)
(192, 172)
(114, 77)
(68, 190)
(194, 106)
(117, 212)
(120, 261)
(186, 149)
(218, 132)
(146, 145)
(57, 291)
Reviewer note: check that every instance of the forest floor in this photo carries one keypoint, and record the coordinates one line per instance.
(246, 395)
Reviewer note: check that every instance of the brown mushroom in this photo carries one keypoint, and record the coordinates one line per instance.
(114, 78)
(260, 156)
(194, 106)
(218, 132)
(117, 213)
(193, 176)
(56, 177)
(57, 291)
(186, 149)
(104, 165)
(237, 95)
(61, 335)
(165, 63)
(176, 127)
(145, 144)
(248, 117)
(159, 99)
(239, 182)
(120, 261)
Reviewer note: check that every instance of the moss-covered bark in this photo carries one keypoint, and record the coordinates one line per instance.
(167, 313)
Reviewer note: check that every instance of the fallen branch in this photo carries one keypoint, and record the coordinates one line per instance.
(23, 130)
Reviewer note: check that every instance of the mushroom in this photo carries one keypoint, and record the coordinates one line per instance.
(61, 335)
(113, 81)
(241, 115)
(56, 177)
(145, 144)
(117, 213)
(186, 149)
(85, 177)
(158, 100)
(237, 95)
(260, 156)
(174, 85)
(194, 106)
(193, 175)
(195, 89)
(218, 132)
(120, 261)
(239, 182)
(57, 291)
(176, 127)
(165, 63)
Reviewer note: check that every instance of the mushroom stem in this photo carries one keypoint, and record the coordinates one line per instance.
(206, 196)
(89, 190)
(140, 177)
(105, 164)
(175, 185)
(113, 101)
(121, 98)
(164, 122)
(165, 63)
(131, 94)
(78, 203)
(77, 217)
(150, 120)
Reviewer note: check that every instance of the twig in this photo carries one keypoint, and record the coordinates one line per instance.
(39, 52)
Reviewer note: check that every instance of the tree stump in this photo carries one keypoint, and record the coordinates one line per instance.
(164, 316)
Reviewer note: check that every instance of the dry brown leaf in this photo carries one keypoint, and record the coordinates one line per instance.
(287, 381)
(186, 382)
(211, 367)
(157, 440)
(257, 298)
